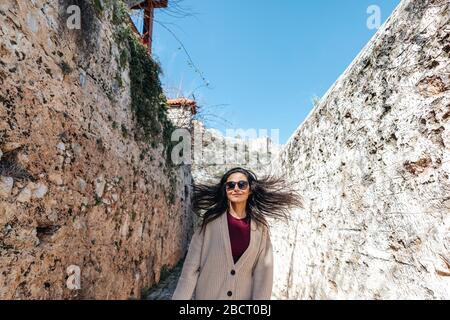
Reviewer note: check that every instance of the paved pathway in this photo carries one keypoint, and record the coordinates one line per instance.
(165, 289)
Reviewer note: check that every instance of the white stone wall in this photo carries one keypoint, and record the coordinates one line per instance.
(372, 161)
(181, 117)
(214, 154)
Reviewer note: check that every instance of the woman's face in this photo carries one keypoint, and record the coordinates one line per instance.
(237, 195)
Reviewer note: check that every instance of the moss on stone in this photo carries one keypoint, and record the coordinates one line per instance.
(98, 7)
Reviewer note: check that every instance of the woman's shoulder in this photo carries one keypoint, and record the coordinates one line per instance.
(262, 224)
(211, 225)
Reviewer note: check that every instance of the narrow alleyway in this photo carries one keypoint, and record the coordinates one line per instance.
(164, 290)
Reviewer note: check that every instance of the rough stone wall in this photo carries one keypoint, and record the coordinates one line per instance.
(372, 161)
(76, 188)
(181, 117)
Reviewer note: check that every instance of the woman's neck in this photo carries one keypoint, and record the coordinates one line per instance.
(238, 210)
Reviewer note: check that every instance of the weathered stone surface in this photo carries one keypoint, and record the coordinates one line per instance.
(24, 195)
(57, 108)
(165, 288)
(56, 179)
(100, 186)
(61, 147)
(39, 191)
(6, 185)
(80, 185)
(372, 162)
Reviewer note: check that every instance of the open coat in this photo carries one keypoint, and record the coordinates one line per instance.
(209, 272)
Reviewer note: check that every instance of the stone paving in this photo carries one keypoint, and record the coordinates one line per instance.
(164, 290)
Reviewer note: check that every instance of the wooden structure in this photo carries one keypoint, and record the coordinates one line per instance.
(149, 7)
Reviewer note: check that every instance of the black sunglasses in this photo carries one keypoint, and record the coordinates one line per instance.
(241, 185)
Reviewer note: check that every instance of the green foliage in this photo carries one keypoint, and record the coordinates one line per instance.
(98, 201)
(121, 36)
(145, 292)
(120, 12)
(142, 155)
(117, 244)
(119, 80)
(171, 197)
(123, 59)
(148, 102)
(165, 272)
(124, 131)
(98, 7)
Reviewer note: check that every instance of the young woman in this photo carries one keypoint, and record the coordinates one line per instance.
(230, 254)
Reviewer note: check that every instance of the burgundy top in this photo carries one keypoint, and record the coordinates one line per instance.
(239, 235)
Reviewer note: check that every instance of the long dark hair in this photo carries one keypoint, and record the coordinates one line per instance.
(270, 197)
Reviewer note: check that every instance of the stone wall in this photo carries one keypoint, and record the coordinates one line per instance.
(76, 187)
(372, 161)
(213, 153)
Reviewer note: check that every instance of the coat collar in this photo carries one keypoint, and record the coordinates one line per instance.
(255, 236)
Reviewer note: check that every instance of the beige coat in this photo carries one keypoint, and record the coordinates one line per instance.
(209, 271)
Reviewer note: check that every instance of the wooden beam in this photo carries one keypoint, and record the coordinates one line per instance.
(160, 3)
(148, 6)
(139, 4)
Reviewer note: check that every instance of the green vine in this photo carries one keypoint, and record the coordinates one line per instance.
(148, 102)
(120, 12)
(98, 7)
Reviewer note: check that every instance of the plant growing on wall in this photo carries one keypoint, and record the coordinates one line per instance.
(148, 102)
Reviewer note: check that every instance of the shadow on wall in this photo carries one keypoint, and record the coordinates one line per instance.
(10, 167)
(86, 37)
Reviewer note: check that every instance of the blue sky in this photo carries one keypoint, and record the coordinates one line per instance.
(264, 60)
